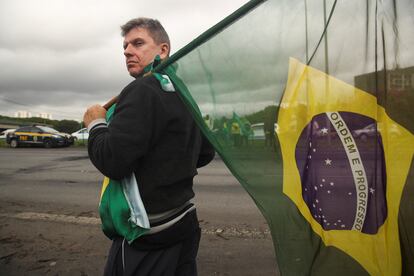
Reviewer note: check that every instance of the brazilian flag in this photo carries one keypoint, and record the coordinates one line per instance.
(346, 181)
(331, 85)
(121, 209)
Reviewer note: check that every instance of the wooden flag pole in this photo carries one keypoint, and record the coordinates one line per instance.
(110, 102)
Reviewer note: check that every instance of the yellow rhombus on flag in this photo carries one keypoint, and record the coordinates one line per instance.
(346, 182)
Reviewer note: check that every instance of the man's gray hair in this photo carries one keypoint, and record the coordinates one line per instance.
(153, 26)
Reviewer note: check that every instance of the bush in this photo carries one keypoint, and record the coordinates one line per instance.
(81, 143)
(3, 143)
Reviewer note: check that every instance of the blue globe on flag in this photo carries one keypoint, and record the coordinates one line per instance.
(343, 179)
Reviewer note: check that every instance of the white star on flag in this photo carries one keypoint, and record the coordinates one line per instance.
(324, 131)
(328, 162)
(371, 190)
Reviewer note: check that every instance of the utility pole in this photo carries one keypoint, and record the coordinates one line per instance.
(325, 39)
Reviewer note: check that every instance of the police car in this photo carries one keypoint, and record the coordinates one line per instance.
(38, 135)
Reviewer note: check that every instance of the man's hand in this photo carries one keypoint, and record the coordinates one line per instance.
(92, 113)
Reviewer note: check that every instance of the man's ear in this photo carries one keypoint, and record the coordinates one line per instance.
(165, 50)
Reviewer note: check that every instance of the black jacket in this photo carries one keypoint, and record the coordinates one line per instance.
(154, 135)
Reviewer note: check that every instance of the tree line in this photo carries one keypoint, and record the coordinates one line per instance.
(67, 126)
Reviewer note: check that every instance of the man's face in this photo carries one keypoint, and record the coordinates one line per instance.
(140, 50)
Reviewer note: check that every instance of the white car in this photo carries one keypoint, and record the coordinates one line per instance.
(81, 134)
(259, 132)
(4, 133)
(368, 131)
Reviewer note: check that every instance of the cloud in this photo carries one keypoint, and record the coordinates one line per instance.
(65, 55)
(61, 56)
(245, 67)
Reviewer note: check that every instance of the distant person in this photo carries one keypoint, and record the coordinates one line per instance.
(269, 126)
(153, 135)
(236, 133)
(246, 133)
(209, 122)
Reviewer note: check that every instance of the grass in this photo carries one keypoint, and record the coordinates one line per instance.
(3, 143)
(77, 143)
(81, 143)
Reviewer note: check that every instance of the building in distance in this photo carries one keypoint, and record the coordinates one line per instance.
(45, 115)
(22, 114)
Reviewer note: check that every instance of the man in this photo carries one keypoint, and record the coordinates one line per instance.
(153, 135)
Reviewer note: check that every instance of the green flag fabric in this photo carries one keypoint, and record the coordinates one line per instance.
(325, 90)
(121, 209)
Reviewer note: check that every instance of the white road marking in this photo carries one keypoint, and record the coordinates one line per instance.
(81, 220)
(53, 218)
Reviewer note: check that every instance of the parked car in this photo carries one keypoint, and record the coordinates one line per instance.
(372, 130)
(259, 132)
(81, 134)
(4, 133)
(38, 135)
(368, 131)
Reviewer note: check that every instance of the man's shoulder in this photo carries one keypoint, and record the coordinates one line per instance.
(145, 83)
(140, 88)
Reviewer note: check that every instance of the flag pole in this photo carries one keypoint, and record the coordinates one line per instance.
(306, 31)
(110, 103)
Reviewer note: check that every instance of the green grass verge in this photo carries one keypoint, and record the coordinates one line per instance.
(84, 143)
(80, 143)
(3, 143)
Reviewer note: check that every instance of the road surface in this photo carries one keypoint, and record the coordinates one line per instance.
(49, 223)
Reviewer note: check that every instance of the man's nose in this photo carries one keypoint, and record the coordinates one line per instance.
(127, 51)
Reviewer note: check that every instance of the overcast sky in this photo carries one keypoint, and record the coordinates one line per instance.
(60, 56)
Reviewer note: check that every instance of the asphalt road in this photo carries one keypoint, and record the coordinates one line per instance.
(49, 222)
